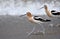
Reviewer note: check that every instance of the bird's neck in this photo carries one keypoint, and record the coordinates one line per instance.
(29, 18)
(48, 12)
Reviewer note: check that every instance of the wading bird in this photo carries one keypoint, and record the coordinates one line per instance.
(52, 13)
(36, 20)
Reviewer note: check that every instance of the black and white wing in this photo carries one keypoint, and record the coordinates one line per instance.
(54, 12)
(41, 19)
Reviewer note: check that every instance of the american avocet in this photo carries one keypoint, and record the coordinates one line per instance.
(37, 20)
(52, 13)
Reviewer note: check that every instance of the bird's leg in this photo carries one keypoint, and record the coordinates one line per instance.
(31, 31)
(42, 29)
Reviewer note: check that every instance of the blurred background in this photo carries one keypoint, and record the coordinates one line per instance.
(19, 7)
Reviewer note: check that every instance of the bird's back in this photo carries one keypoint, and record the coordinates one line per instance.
(41, 19)
(54, 12)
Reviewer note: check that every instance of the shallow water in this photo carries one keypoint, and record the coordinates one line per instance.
(14, 27)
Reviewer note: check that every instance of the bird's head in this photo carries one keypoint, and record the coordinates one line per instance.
(29, 14)
(45, 6)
